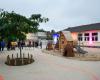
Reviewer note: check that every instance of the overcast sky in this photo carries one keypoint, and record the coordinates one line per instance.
(62, 13)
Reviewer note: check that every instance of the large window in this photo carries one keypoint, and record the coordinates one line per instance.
(80, 37)
(94, 36)
(86, 37)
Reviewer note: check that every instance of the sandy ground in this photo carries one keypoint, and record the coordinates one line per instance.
(49, 67)
(93, 54)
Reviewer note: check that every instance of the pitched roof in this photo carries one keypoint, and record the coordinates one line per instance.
(81, 28)
(67, 35)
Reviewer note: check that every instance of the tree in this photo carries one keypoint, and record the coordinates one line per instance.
(15, 26)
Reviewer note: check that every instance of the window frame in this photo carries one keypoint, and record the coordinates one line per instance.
(95, 36)
(86, 37)
(80, 37)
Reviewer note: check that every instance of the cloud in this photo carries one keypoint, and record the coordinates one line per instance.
(62, 13)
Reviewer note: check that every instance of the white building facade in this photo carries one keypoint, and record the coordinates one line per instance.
(39, 36)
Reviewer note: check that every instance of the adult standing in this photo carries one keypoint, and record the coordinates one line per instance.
(2, 45)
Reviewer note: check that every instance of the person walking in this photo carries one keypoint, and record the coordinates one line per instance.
(2, 45)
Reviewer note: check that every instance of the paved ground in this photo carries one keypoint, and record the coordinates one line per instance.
(49, 67)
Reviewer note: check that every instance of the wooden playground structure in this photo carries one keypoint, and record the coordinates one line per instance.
(64, 44)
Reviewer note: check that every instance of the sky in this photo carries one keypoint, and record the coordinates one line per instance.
(61, 13)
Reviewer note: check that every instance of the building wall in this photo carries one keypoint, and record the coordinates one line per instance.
(31, 36)
(86, 43)
(41, 35)
(99, 35)
(74, 36)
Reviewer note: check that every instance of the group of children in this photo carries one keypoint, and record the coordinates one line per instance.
(11, 45)
(35, 44)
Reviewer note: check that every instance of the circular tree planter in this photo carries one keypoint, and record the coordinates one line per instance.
(19, 61)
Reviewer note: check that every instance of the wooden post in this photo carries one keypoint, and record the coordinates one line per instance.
(23, 55)
(28, 55)
(20, 51)
(8, 59)
(31, 56)
(12, 56)
(15, 62)
(28, 58)
(17, 55)
(22, 61)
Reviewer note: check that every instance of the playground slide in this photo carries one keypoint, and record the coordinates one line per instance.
(80, 50)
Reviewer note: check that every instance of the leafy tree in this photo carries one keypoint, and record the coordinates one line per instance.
(14, 26)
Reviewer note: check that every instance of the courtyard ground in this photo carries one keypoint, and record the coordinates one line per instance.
(49, 67)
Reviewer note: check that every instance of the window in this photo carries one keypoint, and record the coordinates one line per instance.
(86, 37)
(94, 36)
(80, 37)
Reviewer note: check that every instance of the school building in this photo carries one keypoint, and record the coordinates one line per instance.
(86, 35)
